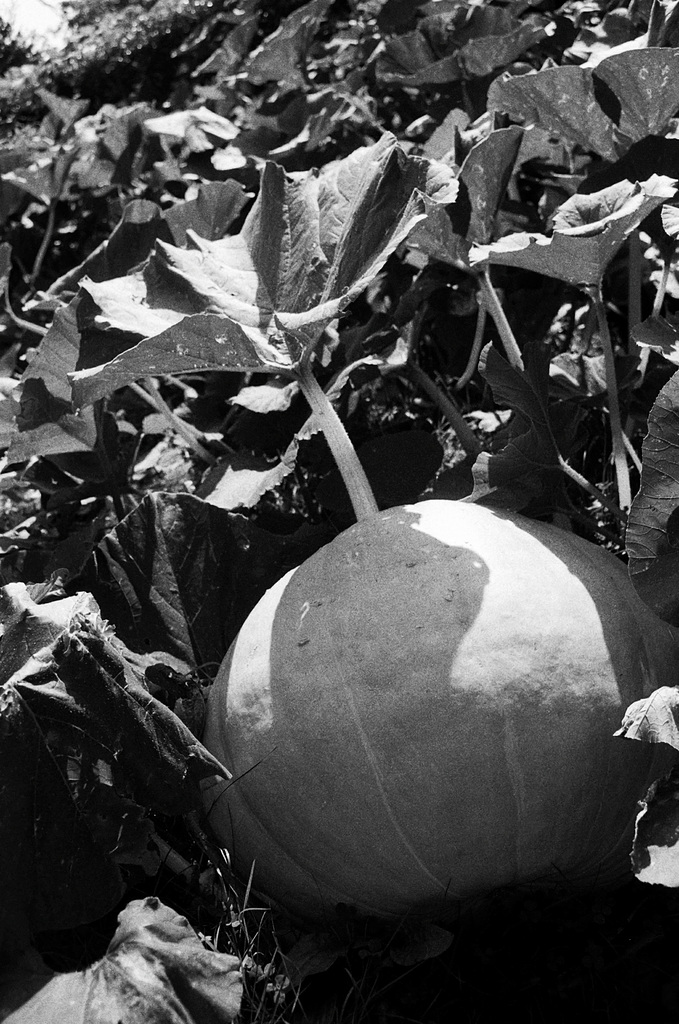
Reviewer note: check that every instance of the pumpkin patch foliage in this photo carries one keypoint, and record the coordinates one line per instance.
(339, 601)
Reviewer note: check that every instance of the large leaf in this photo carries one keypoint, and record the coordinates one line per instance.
(526, 465)
(179, 575)
(447, 235)
(464, 44)
(652, 526)
(85, 750)
(56, 875)
(309, 245)
(655, 852)
(155, 971)
(588, 231)
(46, 423)
(281, 56)
(639, 89)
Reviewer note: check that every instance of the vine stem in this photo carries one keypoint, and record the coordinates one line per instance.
(448, 407)
(352, 472)
(633, 288)
(662, 287)
(46, 241)
(477, 345)
(619, 451)
(583, 482)
(494, 306)
(150, 393)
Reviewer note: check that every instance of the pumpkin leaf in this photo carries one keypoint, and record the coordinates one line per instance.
(239, 481)
(588, 231)
(46, 423)
(462, 45)
(155, 971)
(651, 539)
(655, 850)
(660, 334)
(525, 464)
(639, 89)
(308, 246)
(417, 942)
(180, 575)
(274, 396)
(209, 215)
(86, 749)
(281, 57)
(59, 875)
(653, 719)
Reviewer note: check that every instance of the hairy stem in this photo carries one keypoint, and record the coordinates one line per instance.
(662, 287)
(494, 306)
(477, 345)
(619, 452)
(151, 394)
(352, 472)
(448, 407)
(583, 482)
(633, 289)
(46, 241)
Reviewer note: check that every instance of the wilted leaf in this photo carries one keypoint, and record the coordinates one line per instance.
(643, 84)
(588, 231)
(29, 629)
(651, 530)
(181, 576)
(59, 875)
(85, 748)
(155, 971)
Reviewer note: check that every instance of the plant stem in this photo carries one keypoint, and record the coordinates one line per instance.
(352, 472)
(477, 345)
(26, 325)
(583, 482)
(46, 241)
(633, 289)
(494, 306)
(448, 407)
(662, 287)
(150, 393)
(619, 452)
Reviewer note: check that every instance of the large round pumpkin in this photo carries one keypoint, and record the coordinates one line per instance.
(424, 711)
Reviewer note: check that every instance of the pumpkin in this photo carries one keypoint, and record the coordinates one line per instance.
(424, 710)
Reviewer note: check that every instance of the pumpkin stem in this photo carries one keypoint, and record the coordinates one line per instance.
(339, 442)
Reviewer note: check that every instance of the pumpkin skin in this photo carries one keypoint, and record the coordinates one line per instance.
(424, 712)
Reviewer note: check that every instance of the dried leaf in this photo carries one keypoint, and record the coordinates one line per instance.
(155, 971)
